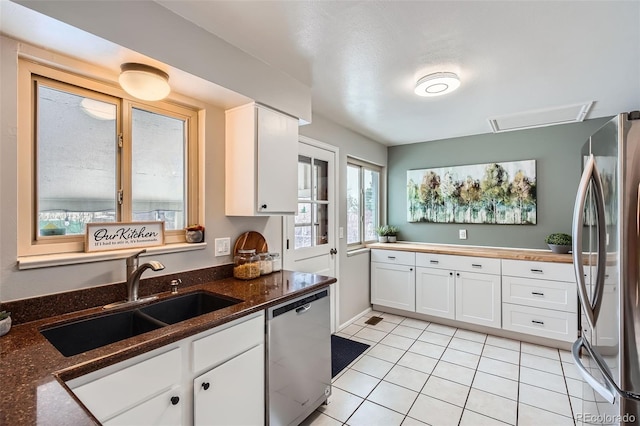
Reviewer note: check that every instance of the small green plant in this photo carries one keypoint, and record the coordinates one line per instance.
(558, 239)
(383, 231)
(392, 231)
(4, 315)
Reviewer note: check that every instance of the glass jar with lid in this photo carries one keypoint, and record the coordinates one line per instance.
(266, 263)
(246, 265)
(277, 262)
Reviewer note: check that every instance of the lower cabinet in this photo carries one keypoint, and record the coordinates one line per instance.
(393, 279)
(213, 378)
(478, 299)
(164, 409)
(435, 292)
(231, 393)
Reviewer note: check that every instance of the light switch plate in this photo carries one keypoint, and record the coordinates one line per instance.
(462, 234)
(341, 232)
(223, 246)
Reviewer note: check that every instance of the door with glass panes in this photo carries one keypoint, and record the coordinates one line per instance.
(310, 244)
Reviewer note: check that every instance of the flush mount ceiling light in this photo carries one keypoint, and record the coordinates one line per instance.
(437, 84)
(144, 82)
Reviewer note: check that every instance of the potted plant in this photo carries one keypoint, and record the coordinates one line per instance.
(383, 233)
(559, 242)
(392, 233)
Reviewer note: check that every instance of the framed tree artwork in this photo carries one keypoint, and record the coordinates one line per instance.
(494, 193)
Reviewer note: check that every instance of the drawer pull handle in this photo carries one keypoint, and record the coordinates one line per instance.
(434, 262)
(476, 265)
(537, 293)
(537, 322)
(537, 271)
(391, 257)
(175, 400)
(205, 385)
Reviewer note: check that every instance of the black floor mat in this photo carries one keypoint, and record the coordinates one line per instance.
(343, 352)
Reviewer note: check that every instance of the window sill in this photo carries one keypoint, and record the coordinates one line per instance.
(49, 260)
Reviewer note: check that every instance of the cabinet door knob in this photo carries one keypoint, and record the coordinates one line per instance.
(205, 385)
(175, 400)
(457, 274)
(451, 273)
(411, 269)
(264, 206)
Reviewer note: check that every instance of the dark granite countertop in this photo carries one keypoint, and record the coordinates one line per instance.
(32, 371)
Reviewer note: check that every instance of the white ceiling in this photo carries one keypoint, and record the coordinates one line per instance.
(362, 58)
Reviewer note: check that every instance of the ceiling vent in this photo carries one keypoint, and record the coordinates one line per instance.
(540, 117)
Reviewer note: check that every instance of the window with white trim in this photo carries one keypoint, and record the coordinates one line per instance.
(363, 202)
(88, 153)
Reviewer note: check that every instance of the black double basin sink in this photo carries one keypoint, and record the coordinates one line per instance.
(91, 333)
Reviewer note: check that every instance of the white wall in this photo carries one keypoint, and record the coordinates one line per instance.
(354, 270)
(16, 284)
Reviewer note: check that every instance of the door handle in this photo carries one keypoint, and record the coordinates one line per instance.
(605, 391)
(590, 174)
(333, 251)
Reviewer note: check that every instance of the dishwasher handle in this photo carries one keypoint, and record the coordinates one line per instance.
(303, 309)
(297, 304)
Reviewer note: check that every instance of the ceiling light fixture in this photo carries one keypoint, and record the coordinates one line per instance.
(144, 82)
(437, 84)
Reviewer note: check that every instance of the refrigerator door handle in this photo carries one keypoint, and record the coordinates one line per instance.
(611, 390)
(605, 391)
(590, 174)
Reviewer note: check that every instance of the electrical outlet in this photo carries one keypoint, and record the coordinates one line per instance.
(462, 234)
(223, 246)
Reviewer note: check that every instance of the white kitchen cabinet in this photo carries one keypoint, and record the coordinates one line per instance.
(478, 298)
(156, 388)
(393, 279)
(540, 298)
(232, 393)
(261, 162)
(162, 410)
(435, 292)
(449, 287)
(133, 384)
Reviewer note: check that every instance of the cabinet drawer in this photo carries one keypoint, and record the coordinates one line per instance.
(125, 388)
(393, 256)
(540, 322)
(225, 344)
(558, 295)
(458, 263)
(539, 270)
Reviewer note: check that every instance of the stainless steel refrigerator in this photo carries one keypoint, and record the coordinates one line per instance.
(606, 226)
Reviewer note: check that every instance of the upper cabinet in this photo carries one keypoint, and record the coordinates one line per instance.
(261, 162)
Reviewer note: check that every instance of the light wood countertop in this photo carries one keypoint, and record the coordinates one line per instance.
(479, 251)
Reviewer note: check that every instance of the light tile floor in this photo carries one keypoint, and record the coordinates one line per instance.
(417, 373)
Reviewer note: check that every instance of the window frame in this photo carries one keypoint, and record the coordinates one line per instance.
(29, 72)
(364, 166)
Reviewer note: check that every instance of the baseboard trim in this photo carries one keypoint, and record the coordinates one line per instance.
(352, 320)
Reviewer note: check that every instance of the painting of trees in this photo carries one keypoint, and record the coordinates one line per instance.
(496, 193)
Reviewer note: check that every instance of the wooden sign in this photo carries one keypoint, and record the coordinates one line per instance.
(123, 235)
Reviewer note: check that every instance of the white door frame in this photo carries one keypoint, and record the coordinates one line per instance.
(335, 292)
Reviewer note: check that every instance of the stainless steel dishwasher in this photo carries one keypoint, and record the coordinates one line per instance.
(299, 358)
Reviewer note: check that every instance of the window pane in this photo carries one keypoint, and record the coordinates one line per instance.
(371, 203)
(158, 158)
(303, 216)
(304, 178)
(353, 204)
(321, 171)
(302, 237)
(321, 224)
(76, 161)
